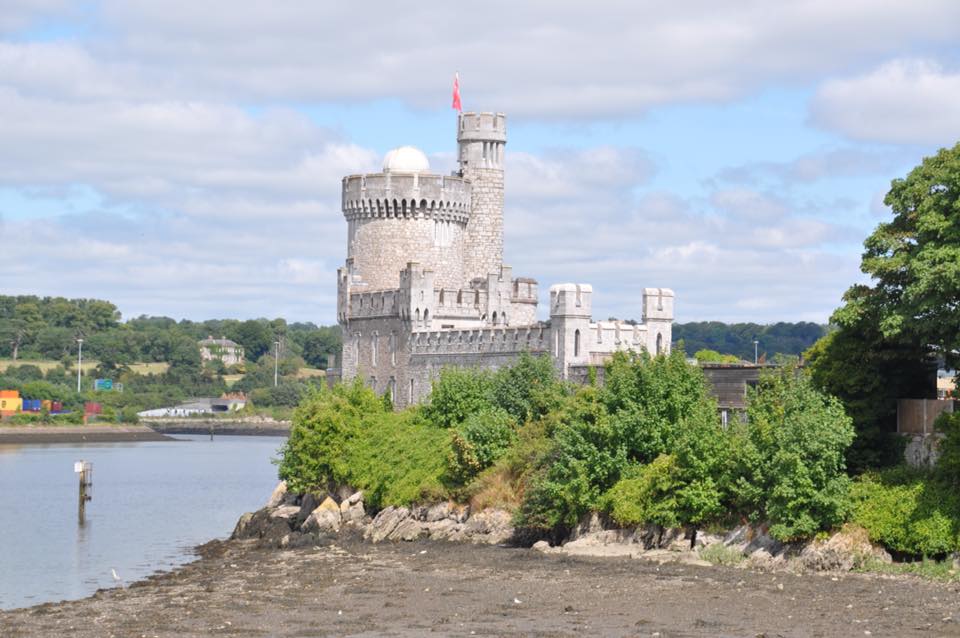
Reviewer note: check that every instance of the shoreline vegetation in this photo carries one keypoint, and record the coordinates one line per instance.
(646, 448)
(147, 430)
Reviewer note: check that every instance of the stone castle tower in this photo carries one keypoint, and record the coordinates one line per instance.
(424, 285)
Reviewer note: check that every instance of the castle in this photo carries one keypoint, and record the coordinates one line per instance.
(424, 285)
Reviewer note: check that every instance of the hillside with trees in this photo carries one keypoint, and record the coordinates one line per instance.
(788, 339)
(39, 339)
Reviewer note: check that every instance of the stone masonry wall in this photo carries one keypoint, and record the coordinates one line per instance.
(382, 248)
(483, 244)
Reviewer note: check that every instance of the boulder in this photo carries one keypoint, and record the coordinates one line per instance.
(308, 503)
(765, 542)
(444, 530)
(492, 526)
(409, 529)
(322, 521)
(286, 512)
(438, 512)
(385, 522)
(356, 497)
(352, 513)
(261, 525)
(541, 546)
(279, 493)
(847, 549)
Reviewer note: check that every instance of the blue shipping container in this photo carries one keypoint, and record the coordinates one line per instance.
(31, 405)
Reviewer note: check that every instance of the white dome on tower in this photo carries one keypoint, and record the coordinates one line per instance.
(405, 159)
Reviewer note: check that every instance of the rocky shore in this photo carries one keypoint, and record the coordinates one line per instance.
(295, 520)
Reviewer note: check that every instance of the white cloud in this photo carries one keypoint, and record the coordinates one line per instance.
(905, 101)
(562, 59)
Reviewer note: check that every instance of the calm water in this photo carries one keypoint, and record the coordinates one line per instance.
(152, 502)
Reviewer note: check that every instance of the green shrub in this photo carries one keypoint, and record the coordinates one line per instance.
(323, 428)
(586, 458)
(908, 511)
(528, 389)
(479, 441)
(399, 459)
(457, 393)
(647, 494)
(720, 554)
(791, 457)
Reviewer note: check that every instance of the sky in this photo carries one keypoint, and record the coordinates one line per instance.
(184, 158)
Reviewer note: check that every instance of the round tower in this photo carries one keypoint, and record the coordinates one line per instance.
(481, 138)
(405, 214)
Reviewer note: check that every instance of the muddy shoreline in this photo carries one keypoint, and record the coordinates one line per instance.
(29, 434)
(350, 587)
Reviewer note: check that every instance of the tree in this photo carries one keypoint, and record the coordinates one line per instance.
(27, 321)
(890, 331)
(914, 259)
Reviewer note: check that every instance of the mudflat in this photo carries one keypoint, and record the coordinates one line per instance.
(352, 588)
(27, 434)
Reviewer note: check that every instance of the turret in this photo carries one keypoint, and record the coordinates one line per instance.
(570, 309)
(658, 317)
(416, 296)
(481, 138)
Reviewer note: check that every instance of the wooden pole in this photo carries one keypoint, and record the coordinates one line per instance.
(85, 470)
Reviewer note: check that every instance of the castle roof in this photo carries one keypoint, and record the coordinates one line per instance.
(406, 159)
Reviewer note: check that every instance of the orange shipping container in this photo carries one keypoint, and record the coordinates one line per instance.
(9, 394)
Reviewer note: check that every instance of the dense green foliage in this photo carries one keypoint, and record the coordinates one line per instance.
(889, 332)
(791, 457)
(737, 338)
(479, 441)
(908, 511)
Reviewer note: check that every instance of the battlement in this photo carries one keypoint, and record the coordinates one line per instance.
(485, 127)
(383, 303)
(534, 338)
(445, 197)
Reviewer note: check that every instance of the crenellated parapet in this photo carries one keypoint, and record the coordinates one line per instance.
(411, 195)
(533, 338)
(381, 303)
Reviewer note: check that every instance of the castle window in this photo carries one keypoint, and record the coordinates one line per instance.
(426, 318)
(392, 390)
(576, 343)
(441, 296)
(410, 394)
(374, 344)
(659, 344)
(459, 297)
(556, 343)
(599, 332)
(494, 317)
(393, 348)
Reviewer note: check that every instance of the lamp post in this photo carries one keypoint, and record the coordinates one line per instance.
(79, 362)
(755, 342)
(276, 361)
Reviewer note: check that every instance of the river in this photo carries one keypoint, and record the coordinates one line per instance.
(152, 503)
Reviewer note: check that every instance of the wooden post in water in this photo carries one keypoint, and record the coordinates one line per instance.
(85, 470)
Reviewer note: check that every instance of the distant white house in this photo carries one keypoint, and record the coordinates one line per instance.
(197, 406)
(230, 352)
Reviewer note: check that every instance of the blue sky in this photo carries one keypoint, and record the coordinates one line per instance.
(184, 159)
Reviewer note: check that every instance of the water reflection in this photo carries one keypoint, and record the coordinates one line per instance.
(154, 501)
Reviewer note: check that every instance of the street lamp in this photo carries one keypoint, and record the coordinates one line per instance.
(276, 360)
(79, 362)
(755, 342)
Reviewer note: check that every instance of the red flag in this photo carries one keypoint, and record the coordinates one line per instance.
(456, 92)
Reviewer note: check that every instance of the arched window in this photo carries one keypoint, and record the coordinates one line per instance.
(393, 348)
(576, 343)
(441, 296)
(659, 344)
(374, 345)
(494, 317)
(426, 318)
(417, 316)
(410, 394)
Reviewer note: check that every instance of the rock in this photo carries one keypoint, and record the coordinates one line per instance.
(262, 525)
(327, 504)
(847, 549)
(438, 512)
(352, 513)
(322, 520)
(279, 493)
(705, 539)
(541, 546)
(356, 497)
(286, 512)
(308, 503)
(444, 530)
(738, 536)
(489, 526)
(385, 522)
(589, 524)
(409, 529)
(764, 542)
